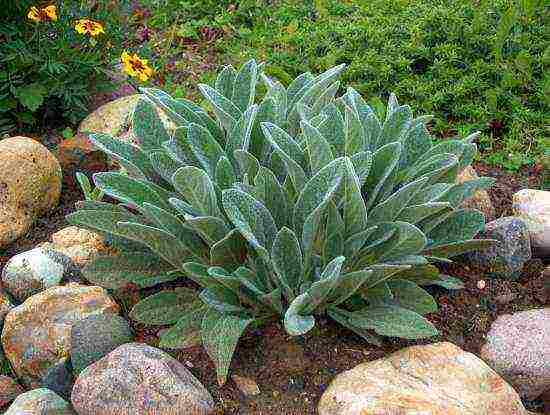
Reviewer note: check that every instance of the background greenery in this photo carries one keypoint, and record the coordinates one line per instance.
(48, 72)
(474, 65)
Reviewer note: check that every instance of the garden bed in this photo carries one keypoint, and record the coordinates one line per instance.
(292, 373)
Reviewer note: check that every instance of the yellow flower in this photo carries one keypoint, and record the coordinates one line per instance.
(88, 27)
(135, 66)
(42, 15)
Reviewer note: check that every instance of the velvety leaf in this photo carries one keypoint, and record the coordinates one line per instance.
(355, 136)
(462, 191)
(362, 163)
(197, 189)
(409, 295)
(408, 240)
(239, 136)
(225, 174)
(379, 294)
(173, 225)
(179, 149)
(226, 112)
(391, 208)
(343, 317)
(286, 256)
(226, 81)
(248, 164)
(318, 149)
(163, 164)
(163, 243)
(415, 213)
(273, 196)
(460, 225)
(395, 126)
(244, 87)
(416, 143)
(114, 272)
(354, 209)
(348, 285)
(388, 320)
(147, 126)
(385, 160)
(288, 151)
(205, 148)
(251, 218)
(165, 307)
(220, 334)
(295, 323)
(128, 190)
(121, 150)
(457, 248)
(186, 332)
(229, 252)
(333, 128)
(101, 220)
(210, 228)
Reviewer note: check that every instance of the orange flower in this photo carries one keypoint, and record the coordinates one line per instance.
(88, 27)
(135, 66)
(45, 14)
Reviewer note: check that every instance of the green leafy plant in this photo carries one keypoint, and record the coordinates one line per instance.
(48, 71)
(285, 207)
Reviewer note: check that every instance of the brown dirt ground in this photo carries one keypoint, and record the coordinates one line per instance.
(292, 373)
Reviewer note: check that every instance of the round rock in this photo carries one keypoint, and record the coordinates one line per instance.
(506, 259)
(33, 271)
(533, 206)
(137, 379)
(80, 245)
(518, 348)
(30, 185)
(95, 336)
(37, 333)
(40, 402)
(435, 379)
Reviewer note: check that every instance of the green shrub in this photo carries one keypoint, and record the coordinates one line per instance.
(48, 71)
(287, 207)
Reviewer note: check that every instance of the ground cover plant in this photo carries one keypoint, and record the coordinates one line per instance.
(287, 205)
(475, 65)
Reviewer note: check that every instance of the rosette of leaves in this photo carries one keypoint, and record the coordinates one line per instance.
(287, 207)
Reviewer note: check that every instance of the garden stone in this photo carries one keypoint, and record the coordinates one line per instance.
(533, 206)
(80, 245)
(505, 259)
(518, 348)
(435, 379)
(37, 334)
(33, 271)
(480, 200)
(95, 336)
(9, 390)
(30, 185)
(59, 379)
(137, 379)
(40, 402)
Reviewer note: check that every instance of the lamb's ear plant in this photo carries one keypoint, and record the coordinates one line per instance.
(285, 207)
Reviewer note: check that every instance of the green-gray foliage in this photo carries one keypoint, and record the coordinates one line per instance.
(287, 206)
